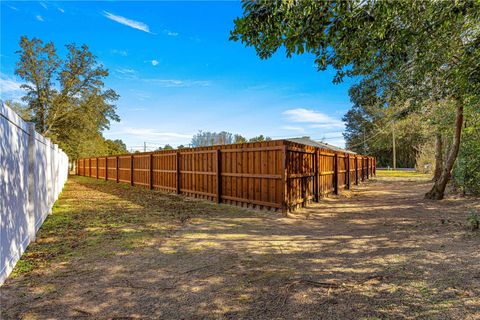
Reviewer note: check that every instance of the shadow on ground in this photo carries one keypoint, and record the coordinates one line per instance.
(381, 251)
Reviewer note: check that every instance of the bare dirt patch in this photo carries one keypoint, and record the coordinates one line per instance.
(381, 251)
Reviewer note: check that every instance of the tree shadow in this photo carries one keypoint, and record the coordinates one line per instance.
(342, 258)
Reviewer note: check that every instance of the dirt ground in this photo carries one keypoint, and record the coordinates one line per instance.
(380, 252)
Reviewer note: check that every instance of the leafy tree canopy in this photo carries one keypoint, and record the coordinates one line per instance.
(259, 138)
(408, 55)
(65, 97)
(206, 138)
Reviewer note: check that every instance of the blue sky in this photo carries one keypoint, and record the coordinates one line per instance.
(177, 72)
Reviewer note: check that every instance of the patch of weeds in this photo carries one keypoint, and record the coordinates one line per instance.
(48, 288)
(133, 240)
(22, 266)
(401, 174)
(425, 292)
(443, 303)
(101, 218)
(473, 220)
(57, 220)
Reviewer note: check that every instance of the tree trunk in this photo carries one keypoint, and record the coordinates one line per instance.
(438, 156)
(438, 190)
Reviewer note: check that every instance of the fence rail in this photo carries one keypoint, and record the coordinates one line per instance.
(278, 175)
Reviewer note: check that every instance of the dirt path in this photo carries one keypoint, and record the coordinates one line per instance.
(380, 252)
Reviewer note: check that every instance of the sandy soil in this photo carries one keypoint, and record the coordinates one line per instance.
(379, 252)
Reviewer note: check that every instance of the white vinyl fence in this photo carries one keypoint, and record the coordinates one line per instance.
(32, 173)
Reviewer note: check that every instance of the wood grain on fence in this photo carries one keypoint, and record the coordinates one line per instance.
(278, 175)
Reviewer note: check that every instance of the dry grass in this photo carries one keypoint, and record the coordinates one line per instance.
(111, 251)
(402, 174)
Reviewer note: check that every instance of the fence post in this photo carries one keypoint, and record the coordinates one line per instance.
(106, 168)
(31, 181)
(363, 168)
(116, 169)
(151, 171)
(97, 167)
(131, 170)
(284, 197)
(178, 171)
(219, 176)
(371, 167)
(356, 170)
(368, 168)
(89, 167)
(348, 171)
(335, 174)
(315, 172)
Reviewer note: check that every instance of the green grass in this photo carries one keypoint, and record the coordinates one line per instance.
(401, 174)
(96, 218)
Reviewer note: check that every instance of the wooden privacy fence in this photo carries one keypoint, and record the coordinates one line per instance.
(280, 174)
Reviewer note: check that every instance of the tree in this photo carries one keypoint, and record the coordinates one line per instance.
(65, 97)
(408, 53)
(181, 146)
(238, 138)
(368, 130)
(167, 147)
(206, 138)
(259, 138)
(20, 109)
(115, 147)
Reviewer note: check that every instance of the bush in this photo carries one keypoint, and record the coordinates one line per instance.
(466, 173)
(474, 220)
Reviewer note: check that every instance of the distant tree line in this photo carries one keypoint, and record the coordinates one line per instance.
(206, 138)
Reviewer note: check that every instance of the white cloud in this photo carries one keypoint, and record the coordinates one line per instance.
(154, 62)
(335, 124)
(141, 95)
(169, 83)
(13, 8)
(126, 71)
(10, 88)
(150, 133)
(120, 52)
(170, 33)
(43, 5)
(293, 128)
(127, 22)
(61, 10)
(9, 84)
(39, 18)
(315, 118)
(137, 109)
(130, 74)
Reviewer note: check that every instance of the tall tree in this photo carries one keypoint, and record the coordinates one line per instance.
(66, 97)
(411, 53)
(369, 129)
(259, 138)
(167, 147)
(206, 138)
(115, 147)
(238, 138)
